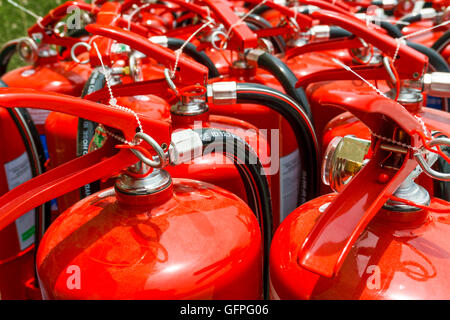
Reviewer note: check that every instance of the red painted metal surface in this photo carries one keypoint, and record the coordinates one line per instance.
(323, 114)
(399, 257)
(357, 206)
(266, 119)
(410, 64)
(241, 37)
(347, 124)
(16, 263)
(78, 172)
(327, 242)
(190, 72)
(202, 242)
(215, 169)
(58, 78)
(61, 133)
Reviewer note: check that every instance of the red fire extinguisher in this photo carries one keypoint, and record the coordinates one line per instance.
(287, 184)
(23, 160)
(50, 70)
(183, 114)
(163, 56)
(146, 210)
(411, 96)
(410, 64)
(366, 242)
(191, 111)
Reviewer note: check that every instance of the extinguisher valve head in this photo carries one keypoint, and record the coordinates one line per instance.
(189, 106)
(192, 102)
(156, 181)
(410, 98)
(408, 191)
(222, 93)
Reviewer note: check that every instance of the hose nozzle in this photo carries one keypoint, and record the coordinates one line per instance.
(437, 84)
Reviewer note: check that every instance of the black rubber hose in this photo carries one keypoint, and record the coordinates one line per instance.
(74, 33)
(301, 125)
(435, 59)
(251, 26)
(252, 173)
(5, 56)
(260, 10)
(261, 23)
(442, 188)
(409, 19)
(199, 56)
(86, 128)
(442, 42)
(338, 32)
(77, 33)
(392, 30)
(287, 79)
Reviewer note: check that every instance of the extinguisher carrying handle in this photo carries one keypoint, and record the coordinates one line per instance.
(109, 116)
(304, 21)
(242, 37)
(107, 16)
(199, 10)
(337, 6)
(41, 28)
(348, 215)
(188, 71)
(410, 64)
(157, 87)
(76, 173)
(56, 14)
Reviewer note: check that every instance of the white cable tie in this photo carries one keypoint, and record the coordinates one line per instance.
(360, 77)
(401, 40)
(135, 12)
(179, 51)
(113, 100)
(241, 20)
(31, 13)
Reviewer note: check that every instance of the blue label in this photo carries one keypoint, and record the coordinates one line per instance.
(44, 145)
(54, 204)
(434, 102)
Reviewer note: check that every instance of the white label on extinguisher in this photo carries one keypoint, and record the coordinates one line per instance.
(18, 171)
(38, 115)
(289, 183)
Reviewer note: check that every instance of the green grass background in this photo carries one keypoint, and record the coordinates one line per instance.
(14, 23)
